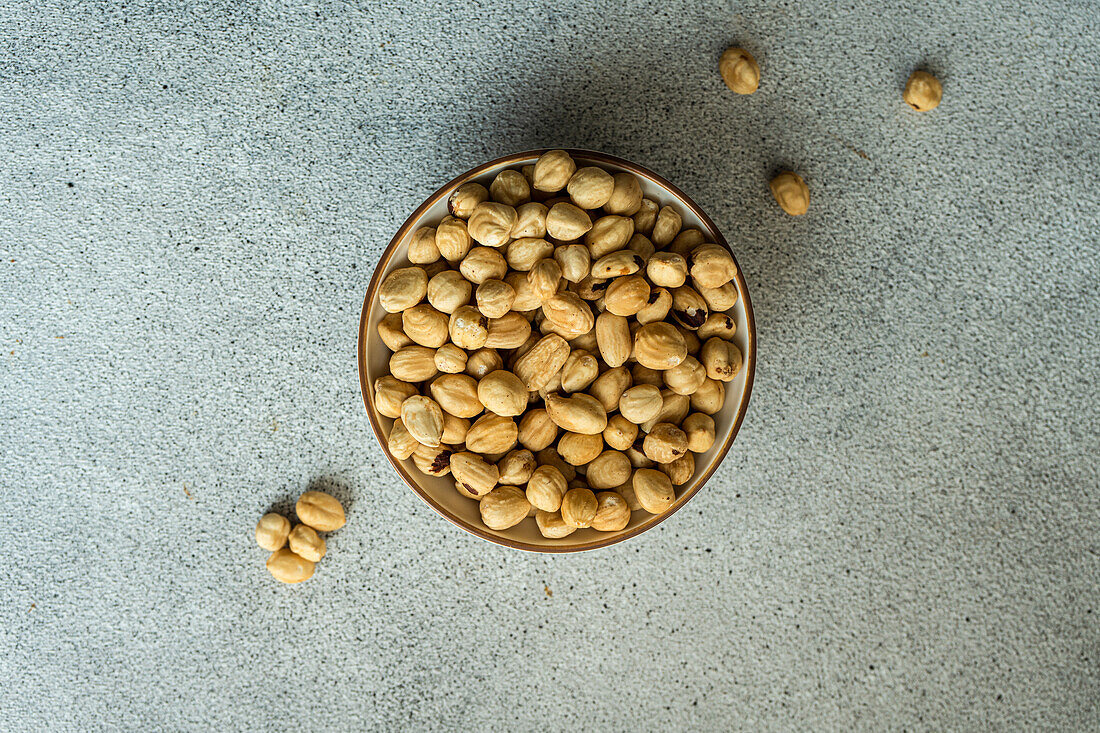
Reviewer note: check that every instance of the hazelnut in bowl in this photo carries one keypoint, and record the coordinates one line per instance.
(556, 350)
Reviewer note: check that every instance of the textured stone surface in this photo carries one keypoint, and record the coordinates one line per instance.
(905, 535)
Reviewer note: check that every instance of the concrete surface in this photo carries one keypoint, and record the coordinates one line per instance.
(906, 535)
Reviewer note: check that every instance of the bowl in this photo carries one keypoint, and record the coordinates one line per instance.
(439, 492)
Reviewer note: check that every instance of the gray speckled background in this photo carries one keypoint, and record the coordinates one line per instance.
(906, 534)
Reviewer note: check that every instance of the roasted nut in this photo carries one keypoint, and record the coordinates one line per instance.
(691, 341)
(712, 266)
(590, 288)
(450, 359)
(585, 342)
(452, 237)
(494, 298)
(640, 245)
(508, 331)
(320, 510)
(653, 490)
(448, 291)
(491, 224)
(476, 475)
(739, 70)
(721, 298)
(413, 364)
(699, 428)
(469, 329)
(545, 488)
(403, 288)
(530, 222)
(923, 91)
(579, 371)
(685, 377)
(579, 450)
(554, 385)
(552, 526)
(570, 315)
(510, 188)
(492, 433)
(574, 260)
(646, 216)
(566, 223)
(392, 333)
(517, 467)
(503, 393)
(637, 458)
(425, 325)
(504, 507)
(613, 339)
(627, 492)
(679, 471)
(641, 403)
(590, 187)
(673, 411)
(422, 249)
(550, 457)
(580, 413)
(660, 302)
(389, 393)
(543, 361)
(272, 531)
(667, 269)
(544, 278)
(553, 170)
(454, 429)
(659, 346)
(457, 394)
(626, 198)
(612, 512)
(625, 296)
(722, 359)
(718, 324)
(306, 543)
(465, 198)
(709, 397)
(536, 430)
(423, 418)
(466, 492)
(433, 461)
(578, 508)
(688, 308)
(608, 470)
(686, 241)
(609, 387)
(483, 361)
(644, 375)
(666, 227)
(523, 253)
(483, 263)
(287, 567)
(791, 193)
(526, 297)
(665, 443)
(608, 234)
(400, 442)
(620, 433)
(616, 264)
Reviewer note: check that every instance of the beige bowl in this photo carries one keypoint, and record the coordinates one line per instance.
(439, 492)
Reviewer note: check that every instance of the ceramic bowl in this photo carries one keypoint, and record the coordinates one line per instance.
(439, 492)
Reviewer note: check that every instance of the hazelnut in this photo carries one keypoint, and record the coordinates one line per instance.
(739, 70)
(590, 187)
(553, 170)
(923, 91)
(791, 192)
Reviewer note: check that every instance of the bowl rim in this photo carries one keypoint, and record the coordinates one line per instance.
(388, 253)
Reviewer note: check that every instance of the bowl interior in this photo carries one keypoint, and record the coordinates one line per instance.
(439, 492)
